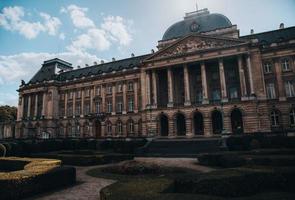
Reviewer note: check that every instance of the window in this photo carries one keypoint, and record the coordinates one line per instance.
(130, 104)
(98, 91)
(131, 126)
(109, 128)
(119, 87)
(109, 89)
(233, 93)
(292, 117)
(119, 106)
(289, 87)
(70, 110)
(78, 94)
(285, 65)
(87, 109)
(61, 111)
(199, 96)
(215, 95)
(267, 68)
(87, 93)
(78, 109)
(271, 92)
(70, 95)
(109, 106)
(77, 132)
(119, 128)
(97, 107)
(274, 115)
(62, 96)
(215, 76)
(130, 86)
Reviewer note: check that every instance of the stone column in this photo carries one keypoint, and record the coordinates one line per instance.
(66, 104)
(20, 109)
(187, 97)
(36, 105)
(91, 99)
(74, 103)
(114, 99)
(148, 89)
(222, 81)
(170, 88)
(188, 126)
(82, 102)
(135, 96)
(242, 79)
(44, 104)
(204, 84)
(29, 106)
(280, 82)
(155, 95)
(124, 98)
(250, 74)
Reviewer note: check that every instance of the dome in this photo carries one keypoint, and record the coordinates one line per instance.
(197, 22)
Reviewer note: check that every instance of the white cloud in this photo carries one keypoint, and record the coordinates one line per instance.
(11, 18)
(78, 16)
(118, 30)
(13, 68)
(8, 98)
(93, 39)
(62, 36)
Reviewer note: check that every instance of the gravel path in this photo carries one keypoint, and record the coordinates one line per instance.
(87, 187)
(190, 163)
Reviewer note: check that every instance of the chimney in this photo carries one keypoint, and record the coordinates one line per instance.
(101, 62)
(132, 55)
(113, 59)
(252, 31)
(282, 25)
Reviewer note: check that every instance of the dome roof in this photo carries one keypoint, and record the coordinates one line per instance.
(198, 21)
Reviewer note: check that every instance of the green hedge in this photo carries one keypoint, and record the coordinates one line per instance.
(37, 176)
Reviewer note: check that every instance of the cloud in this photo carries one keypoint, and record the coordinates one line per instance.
(8, 99)
(13, 68)
(118, 30)
(62, 36)
(11, 19)
(78, 16)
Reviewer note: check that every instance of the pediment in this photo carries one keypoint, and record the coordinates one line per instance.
(195, 43)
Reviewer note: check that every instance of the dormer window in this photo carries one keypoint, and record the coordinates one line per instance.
(267, 68)
(285, 63)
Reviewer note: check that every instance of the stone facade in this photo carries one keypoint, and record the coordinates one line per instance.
(200, 84)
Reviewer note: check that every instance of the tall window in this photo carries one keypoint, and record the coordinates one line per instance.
(97, 107)
(119, 87)
(119, 106)
(292, 117)
(215, 95)
(98, 90)
(233, 93)
(109, 89)
(62, 96)
(130, 86)
(87, 109)
(267, 67)
(274, 115)
(70, 110)
(289, 87)
(130, 104)
(70, 95)
(109, 106)
(271, 92)
(78, 94)
(285, 65)
(199, 96)
(119, 128)
(78, 109)
(87, 93)
(131, 126)
(109, 128)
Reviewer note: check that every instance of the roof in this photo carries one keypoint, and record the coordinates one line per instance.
(199, 21)
(48, 72)
(273, 36)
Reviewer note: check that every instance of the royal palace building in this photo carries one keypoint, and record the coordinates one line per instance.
(204, 79)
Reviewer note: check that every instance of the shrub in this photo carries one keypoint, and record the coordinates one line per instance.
(37, 175)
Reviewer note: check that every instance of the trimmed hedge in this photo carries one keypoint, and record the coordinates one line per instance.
(36, 176)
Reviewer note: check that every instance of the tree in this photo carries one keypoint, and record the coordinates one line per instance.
(7, 113)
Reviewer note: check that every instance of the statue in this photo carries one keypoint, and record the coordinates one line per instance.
(23, 82)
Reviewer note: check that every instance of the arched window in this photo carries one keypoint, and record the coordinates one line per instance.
(109, 128)
(275, 118)
(131, 127)
(119, 128)
(292, 117)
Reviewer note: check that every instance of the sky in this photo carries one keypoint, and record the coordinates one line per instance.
(82, 32)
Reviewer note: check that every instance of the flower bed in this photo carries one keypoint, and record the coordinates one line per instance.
(31, 176)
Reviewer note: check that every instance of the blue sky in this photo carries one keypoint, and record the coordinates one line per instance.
(81, 32)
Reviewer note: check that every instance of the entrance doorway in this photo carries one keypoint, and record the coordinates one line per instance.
(217, 124)
(97, 129)
(180, 125)
(198, 123)
(237, 121)
(163, 125)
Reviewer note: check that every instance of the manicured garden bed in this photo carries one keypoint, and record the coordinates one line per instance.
(28, 176)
